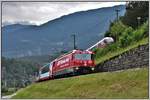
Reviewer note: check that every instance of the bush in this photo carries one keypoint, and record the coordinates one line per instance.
(117, 29)
(102, 51)
(113, 47)
(137, 35)
(99, 52)
(141, 32)
(126, 37)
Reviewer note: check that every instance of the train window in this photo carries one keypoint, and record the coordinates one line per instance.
(83, 56)
(39, 72)
(45, 69)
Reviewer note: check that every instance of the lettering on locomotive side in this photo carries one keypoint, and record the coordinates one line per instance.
(62, 61)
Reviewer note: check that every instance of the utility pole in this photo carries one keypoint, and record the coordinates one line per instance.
(74, 41)
(139, 21)
(117, 13)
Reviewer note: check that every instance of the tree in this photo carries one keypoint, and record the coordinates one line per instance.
(116, 30)
(16, 72)
(136, 11)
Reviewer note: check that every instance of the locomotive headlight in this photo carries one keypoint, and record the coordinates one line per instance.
(92, 68)
(77, 68)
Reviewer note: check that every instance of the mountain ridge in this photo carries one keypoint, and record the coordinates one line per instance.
(55, 35)
(19, 23)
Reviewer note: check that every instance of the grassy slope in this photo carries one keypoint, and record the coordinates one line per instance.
(131, 83)
(117, 52)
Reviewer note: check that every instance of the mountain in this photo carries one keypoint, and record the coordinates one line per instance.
(55, 35)
(19, 22)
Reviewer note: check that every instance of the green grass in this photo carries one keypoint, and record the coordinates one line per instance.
(100, 59)
(131, 83)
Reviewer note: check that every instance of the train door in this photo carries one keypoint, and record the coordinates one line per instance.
(50, 69)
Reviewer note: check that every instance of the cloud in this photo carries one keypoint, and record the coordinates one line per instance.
(41, 12)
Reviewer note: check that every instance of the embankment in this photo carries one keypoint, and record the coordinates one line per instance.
(136, 57)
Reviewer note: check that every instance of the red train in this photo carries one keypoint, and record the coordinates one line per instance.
(74, 62)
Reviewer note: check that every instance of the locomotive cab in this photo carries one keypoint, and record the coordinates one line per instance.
(83, 60)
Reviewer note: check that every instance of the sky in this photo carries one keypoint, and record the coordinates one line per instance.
(37, 13)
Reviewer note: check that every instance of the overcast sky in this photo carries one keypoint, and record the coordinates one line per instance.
(41, 12)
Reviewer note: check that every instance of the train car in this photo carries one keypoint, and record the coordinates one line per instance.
(45, 72)
(74, 62)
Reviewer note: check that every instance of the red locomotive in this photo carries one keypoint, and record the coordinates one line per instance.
(74, 62)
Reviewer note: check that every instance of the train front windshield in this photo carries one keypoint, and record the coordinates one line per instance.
(83, 56)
